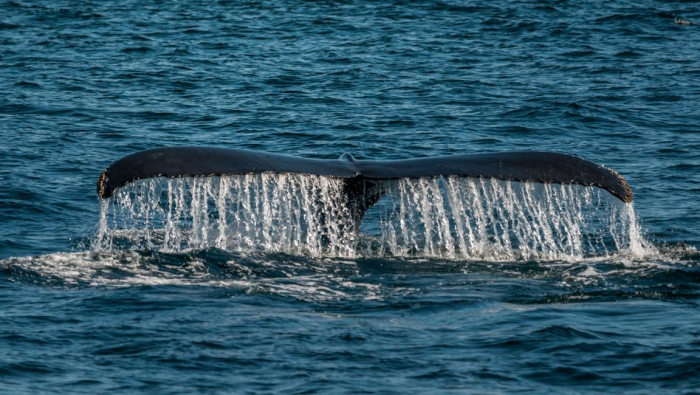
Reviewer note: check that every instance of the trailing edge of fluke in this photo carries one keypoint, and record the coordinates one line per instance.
(540, 167)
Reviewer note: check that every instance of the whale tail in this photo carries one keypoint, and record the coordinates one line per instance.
(362, 178)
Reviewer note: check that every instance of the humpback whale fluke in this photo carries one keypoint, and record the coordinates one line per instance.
(361, 176)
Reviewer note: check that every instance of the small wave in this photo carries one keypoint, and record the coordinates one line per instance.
(685, 166)
(8, 26)
(624, 18)
(579, 53)
(628, 54)
(28, 84)
(141, 49)
(674, 274)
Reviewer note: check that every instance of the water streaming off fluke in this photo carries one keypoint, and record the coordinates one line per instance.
(450, 218)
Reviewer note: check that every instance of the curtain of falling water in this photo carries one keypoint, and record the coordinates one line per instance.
(296, 214)
(451, 218)
(484, 219)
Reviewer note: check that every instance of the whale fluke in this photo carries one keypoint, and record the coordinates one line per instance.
(362, 176)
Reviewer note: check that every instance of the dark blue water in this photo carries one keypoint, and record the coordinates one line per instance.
(85, 83)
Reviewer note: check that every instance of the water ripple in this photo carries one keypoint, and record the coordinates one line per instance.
(85, 83)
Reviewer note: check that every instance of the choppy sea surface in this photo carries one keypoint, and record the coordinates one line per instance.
(497, 288)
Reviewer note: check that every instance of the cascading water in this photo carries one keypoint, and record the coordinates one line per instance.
(493, 220)
(295, 214)
(451, 218)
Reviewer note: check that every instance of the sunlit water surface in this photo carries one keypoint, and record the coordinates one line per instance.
(265, 283)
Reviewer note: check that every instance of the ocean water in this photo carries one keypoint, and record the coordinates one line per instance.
(237, 285)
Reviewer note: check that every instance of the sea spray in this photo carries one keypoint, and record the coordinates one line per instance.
(448, 218)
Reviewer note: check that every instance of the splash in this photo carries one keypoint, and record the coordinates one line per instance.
(447, 218)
